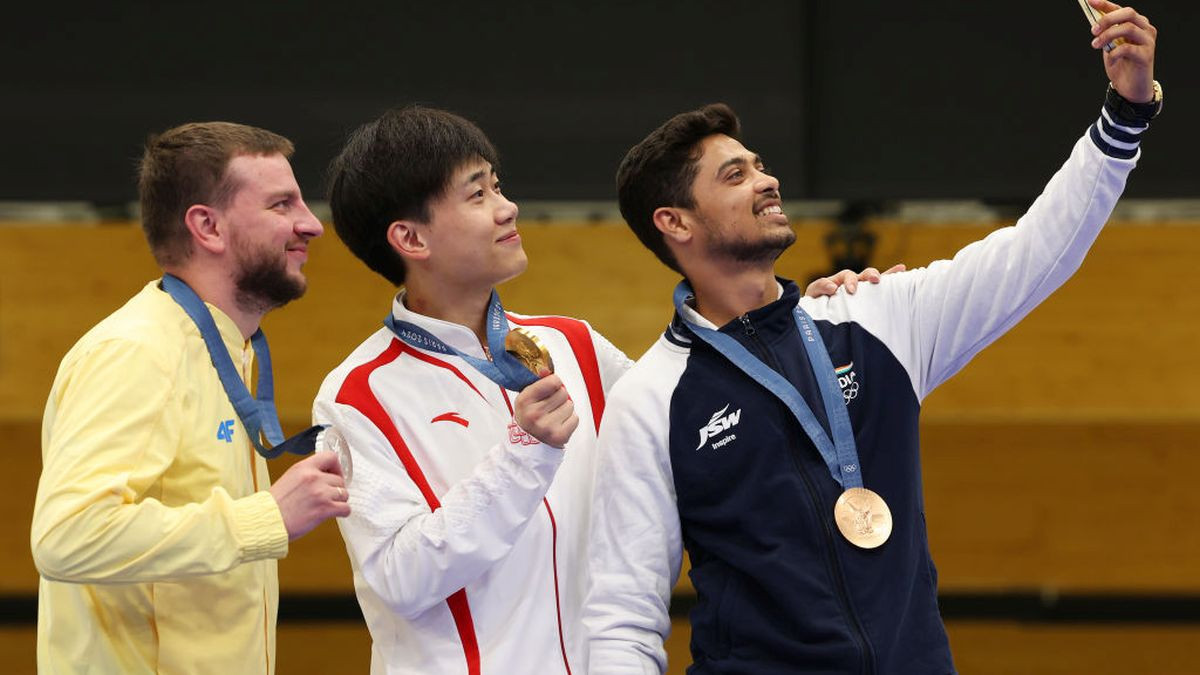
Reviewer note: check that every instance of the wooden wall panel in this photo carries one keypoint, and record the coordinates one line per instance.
(1061, 458)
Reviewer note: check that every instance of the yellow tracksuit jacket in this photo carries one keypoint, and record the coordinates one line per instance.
(152, 531)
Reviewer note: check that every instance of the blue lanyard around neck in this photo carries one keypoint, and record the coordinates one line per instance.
(258, 414)
(504, 369)
(839, 453)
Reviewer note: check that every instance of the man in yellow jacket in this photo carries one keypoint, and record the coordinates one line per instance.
(156, 529)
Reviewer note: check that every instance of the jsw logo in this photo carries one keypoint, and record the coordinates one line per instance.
(719, 423)
(225, 431)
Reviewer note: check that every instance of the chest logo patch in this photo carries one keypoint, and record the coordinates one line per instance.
(718, 424)
(848, 381)
(451, 417)
(225, 431)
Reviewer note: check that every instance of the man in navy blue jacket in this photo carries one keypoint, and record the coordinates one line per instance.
(775, 436)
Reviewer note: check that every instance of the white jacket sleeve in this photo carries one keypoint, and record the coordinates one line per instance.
(935, 319)
(636, 547)
(414, 555)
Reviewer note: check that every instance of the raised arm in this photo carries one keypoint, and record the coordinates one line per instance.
(936, 318)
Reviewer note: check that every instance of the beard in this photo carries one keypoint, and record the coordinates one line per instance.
(262, 282)
(766, 248)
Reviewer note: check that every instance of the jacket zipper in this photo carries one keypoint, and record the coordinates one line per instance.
(835, 569)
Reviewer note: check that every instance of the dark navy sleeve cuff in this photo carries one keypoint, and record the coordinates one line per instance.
(1117, 136)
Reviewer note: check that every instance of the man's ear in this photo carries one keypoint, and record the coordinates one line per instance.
(407, 238)
(201, 222)
(673, 223)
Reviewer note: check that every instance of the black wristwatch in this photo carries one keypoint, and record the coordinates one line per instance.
(1139, 113)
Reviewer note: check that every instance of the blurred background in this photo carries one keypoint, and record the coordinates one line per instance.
(1059, 465)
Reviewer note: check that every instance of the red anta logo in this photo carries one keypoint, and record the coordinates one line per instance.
(451, 417)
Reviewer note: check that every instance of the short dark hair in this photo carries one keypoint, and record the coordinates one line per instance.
(660, 170)
(188, 165)
(392, 169)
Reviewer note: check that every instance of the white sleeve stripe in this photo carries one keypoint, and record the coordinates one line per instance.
(1112, 141)
(1136, 131)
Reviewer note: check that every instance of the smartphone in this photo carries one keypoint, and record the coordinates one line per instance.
(1093, 16)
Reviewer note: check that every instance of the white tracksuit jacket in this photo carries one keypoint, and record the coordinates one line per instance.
(777, 593)
(467, 536)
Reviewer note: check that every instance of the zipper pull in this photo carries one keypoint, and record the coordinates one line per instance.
(749, 328)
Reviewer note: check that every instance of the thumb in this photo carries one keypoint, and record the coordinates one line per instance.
(327, 462)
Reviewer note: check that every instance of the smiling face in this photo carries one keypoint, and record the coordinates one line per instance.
(472, 231)
(737, 205)
(269, 229)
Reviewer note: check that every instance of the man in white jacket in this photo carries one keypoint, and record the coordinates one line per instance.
(470, 488)
(775, 437)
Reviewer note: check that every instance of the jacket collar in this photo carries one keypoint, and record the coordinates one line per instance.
(764, 318)
(457, 336)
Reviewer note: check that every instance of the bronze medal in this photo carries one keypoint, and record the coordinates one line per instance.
(529, 350)
(863, 517)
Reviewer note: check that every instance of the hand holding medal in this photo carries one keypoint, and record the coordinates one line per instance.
(544, 409)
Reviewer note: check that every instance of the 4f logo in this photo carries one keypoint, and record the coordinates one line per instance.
(847, 381)
(225, 431)
(719, 423)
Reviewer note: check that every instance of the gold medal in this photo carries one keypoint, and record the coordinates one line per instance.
(529, 350)
(863, 517)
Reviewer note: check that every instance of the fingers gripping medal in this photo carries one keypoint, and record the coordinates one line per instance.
(863, 517)
(331, 440)
(529, 350)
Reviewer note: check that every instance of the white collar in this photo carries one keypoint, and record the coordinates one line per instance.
(692, 316)
(455, 335)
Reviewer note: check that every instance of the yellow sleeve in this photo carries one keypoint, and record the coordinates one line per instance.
(112, 428)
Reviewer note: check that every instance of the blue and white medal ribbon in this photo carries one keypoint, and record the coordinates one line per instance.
(861, 515)
(504, 369)
(258, 414)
